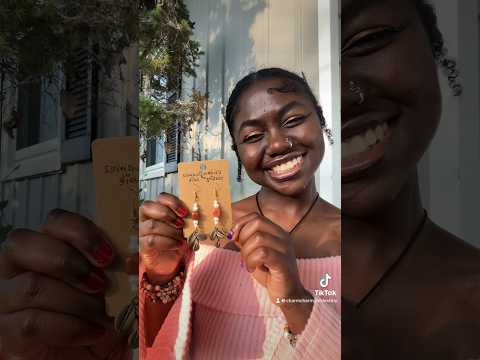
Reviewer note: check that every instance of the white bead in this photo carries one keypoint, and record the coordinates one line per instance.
(195, 223)
(216, 220)
(216, 204)
(195, 206)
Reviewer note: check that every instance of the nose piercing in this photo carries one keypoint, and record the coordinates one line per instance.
(354, 88)
(289, 142)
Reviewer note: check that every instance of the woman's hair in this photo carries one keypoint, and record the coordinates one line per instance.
(293, 83)
(428, 18)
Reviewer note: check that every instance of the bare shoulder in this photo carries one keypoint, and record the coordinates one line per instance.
(331, 218)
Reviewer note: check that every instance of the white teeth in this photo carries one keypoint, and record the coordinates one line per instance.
(289, 165)
(362, 142)
(370, 137)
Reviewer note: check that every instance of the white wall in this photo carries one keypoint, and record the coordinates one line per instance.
(450, 171)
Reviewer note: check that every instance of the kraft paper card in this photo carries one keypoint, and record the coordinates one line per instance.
(206, 180)
(115, 163)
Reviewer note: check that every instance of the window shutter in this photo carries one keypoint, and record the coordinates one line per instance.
(78, 104)
(172, 148)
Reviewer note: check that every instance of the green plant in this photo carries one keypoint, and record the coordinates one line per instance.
(37, 35)
(167, 54)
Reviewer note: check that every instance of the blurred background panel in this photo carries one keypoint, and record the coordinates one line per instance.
(449, 173)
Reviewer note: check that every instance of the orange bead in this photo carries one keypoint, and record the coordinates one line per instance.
(195, 215)
(216, 212)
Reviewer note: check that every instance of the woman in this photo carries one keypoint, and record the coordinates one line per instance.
(283, 241)
(411, 289)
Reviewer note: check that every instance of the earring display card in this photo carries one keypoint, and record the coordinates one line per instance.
(115, 164)
(208, 179)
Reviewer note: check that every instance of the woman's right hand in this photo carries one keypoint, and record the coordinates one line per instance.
(162, 245)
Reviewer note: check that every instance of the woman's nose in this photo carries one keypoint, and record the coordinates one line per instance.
(278, 144)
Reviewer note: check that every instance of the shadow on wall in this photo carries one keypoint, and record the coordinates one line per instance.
(223, 29)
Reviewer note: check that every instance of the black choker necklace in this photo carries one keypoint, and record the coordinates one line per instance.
(302, 218)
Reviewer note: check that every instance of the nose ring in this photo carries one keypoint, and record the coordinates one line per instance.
(290, 143)
(354, 88)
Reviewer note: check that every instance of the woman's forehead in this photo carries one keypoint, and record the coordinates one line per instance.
(269, 95)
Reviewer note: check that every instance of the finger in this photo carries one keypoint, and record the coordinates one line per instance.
(34, 291)
(261, 239)
(33, 327)
(240, 223)
(82, 234)
(176, 205)
(259, 224)
(154, 256)
(265, 259)
(162, 213)
(156, 227)
(132, 263)
(28, 250)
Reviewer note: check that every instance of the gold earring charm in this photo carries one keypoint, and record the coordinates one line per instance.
(194, 239)
(218, 234)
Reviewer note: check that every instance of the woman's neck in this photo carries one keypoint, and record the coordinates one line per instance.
(372, 244)
(274, 202)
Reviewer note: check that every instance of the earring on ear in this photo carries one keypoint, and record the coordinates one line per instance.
(194, 239)
(218, 234)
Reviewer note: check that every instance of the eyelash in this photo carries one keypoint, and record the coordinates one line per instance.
(371, 42)
(287, 123)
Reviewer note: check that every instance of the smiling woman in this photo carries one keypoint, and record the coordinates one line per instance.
(284, 241)
(398, 266)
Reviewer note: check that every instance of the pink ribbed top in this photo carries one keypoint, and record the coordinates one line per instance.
(223, 313)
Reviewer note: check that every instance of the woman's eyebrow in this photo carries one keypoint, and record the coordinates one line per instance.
(354, 7)
(258, 122)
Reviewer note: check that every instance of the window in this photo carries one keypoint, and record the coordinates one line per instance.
(55, 118)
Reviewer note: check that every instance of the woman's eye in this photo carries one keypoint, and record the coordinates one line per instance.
(369, 41)
(252, 138)
(294, 121)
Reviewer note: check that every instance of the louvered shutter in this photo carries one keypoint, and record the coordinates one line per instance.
(172, 148)
(81, 103)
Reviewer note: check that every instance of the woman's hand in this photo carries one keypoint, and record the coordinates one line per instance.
(268, 253)
(162, 245)
(51, 292)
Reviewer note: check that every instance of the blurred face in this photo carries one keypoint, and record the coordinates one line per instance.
(264, 120)
(387, 55)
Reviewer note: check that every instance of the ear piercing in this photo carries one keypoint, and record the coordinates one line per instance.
(218, 234)
(357, 90)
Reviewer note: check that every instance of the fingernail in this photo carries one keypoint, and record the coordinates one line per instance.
(230, 235)
(102, 253)
(182, 212)
(179, 223)
(95, 281)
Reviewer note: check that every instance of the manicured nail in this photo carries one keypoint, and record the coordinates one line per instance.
(182, 212)
(179, 223)
(95, 281)
(230, 235)
(103, 253)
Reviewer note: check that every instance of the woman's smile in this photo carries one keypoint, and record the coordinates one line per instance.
(285, 167)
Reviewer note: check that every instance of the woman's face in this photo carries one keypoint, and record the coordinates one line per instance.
(264, 120)
(387, 54)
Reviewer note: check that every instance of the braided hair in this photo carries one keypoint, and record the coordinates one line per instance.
(429, 20)
(292, 83)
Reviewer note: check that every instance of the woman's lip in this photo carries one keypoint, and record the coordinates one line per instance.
(287, 175)
(359, 163)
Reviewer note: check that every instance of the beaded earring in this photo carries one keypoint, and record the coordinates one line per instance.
(218, 234)
(194, 239)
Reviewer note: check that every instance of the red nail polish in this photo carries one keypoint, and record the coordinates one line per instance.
(182, 212)
(95, 281)
(179, 223)
(102, 253)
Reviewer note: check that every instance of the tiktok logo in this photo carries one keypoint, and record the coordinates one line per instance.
(324, 280)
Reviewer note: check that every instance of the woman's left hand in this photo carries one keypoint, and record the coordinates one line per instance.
(267, 252)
